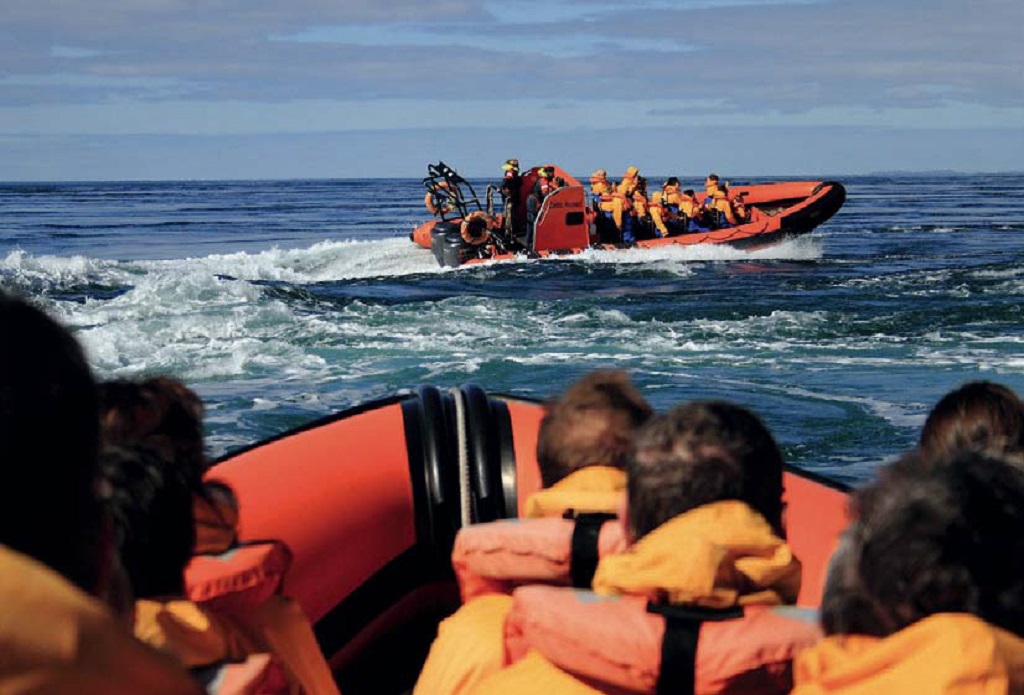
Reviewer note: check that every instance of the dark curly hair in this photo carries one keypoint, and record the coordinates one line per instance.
(161, 413)
(150, 501)
(702, 452)
(932, 537)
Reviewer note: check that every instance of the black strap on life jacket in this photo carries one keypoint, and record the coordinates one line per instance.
(679, 645)
(583, 555)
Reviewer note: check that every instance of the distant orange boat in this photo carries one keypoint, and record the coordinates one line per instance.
(566, 223)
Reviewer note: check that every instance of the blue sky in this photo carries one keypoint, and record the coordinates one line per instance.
(181, 89)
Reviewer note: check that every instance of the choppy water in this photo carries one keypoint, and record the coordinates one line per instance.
(282, 301)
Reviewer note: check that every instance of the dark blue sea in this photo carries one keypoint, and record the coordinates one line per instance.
(283, 301)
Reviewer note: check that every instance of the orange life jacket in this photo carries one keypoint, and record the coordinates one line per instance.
(713, 573)
(235, 609)
(55, 639)
(943, 654)
(501, 555)
(240, 578)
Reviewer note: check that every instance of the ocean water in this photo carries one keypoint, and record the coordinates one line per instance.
(283, 301)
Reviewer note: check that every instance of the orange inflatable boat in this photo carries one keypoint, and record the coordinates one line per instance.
(566, 222)
(368, 502)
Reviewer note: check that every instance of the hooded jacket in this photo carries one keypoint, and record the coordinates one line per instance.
(943, 654)
(55, 639)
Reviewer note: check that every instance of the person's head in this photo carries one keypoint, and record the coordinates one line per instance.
(932, 539)
(698, 453)
(641, 184)
(711, 180)
(511, 165)
(632, 172)
(49, 434)
(150, 502)
(160, 412)
(688, 193)
(977, 414)
(671, 181)
(592, 423)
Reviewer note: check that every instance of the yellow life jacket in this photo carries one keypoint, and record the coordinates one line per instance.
(943, 654)
(532, 674)
(722, 556)
(672, 194)
(656, 209)
(197, 635)
(722, 204)
(688, 206)
(499, 556)
(55, 639)
(589, 489)
(717, 555)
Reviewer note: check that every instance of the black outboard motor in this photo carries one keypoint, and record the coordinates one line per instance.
(455, 251)
(438, 237)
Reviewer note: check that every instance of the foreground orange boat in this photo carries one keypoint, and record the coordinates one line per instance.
(369, 500)
(566, 224)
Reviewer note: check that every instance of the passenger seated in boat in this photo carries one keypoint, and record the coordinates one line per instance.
(58, 632)
(641, 210)
(659, 214)
(604, 203)
(664, 209)
(151, 502)
(928, 595)
(624, 192)
(163, 413)
(977, 414)
(705, 507)
(582, 445)
(693, 212)
(721, 208)
(672, 196)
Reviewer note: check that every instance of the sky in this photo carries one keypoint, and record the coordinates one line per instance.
(265, 89)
